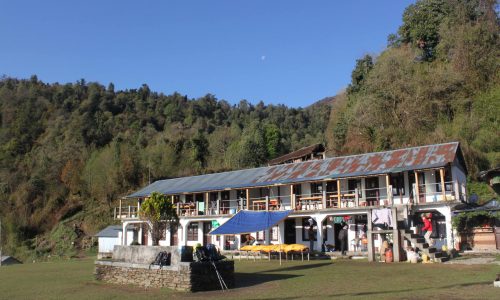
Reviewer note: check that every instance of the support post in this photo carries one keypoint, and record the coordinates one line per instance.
(356, 197)
(248, 198)
(338, 193)
(218, 206)
(389, 194)
(319, 236)
(292, 198)
(267, 203)
(417, 189)
(395, 235)
(456, 187)
(443, 190)
(120, 209)
(323, 199)
(207, 198)
(371, 252)
(124, 234)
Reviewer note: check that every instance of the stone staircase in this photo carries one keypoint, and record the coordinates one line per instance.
(418, 242)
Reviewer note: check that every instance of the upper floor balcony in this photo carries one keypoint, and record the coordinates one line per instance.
(311, 196)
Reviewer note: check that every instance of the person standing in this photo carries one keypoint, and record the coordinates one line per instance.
(427, 228)
(343, 239)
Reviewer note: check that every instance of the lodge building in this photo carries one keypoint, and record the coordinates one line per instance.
(332, 191)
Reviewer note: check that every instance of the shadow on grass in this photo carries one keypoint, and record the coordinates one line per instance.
(298, 268)
(249, 279)
(408, 290)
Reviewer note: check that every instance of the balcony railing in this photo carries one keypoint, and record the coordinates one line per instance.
(126, 212)
(372, 197)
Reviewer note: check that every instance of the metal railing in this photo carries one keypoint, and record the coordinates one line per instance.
(126, 212)
(433, 192)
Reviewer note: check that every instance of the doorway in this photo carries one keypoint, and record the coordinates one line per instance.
(207, 238)
(174, 235)
(372, 191)
(290, 232)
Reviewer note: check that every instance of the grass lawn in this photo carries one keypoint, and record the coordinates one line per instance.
(267, 280)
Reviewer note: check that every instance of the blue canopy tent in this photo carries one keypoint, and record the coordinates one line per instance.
(246, 221)
(251, 221)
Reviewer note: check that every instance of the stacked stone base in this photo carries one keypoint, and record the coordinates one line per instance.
(186, 276)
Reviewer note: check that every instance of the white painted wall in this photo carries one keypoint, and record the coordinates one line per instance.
(106, 244)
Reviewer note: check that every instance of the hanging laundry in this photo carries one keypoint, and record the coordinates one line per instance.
(382, 216)
(338, 220)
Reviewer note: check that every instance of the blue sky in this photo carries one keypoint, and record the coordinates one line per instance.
(290, 52)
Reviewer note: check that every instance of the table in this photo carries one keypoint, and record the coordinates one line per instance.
(347, 198)
(311, 201)
(260, 204)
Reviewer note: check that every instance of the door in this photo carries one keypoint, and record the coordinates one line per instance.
(145, 230)
(372, 191)
(174, 238)
(290, 232)
(421, 186)
(207, 238)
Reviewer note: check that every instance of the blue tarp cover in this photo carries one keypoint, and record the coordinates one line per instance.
(251, 221)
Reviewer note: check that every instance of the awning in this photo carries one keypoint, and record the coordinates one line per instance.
(251, 221)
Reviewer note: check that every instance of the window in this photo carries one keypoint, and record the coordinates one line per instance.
(261, 235)
(305, 230)
(224, 195)
(297, 189)
(241, 194)
(192, 232)
(448, 184)
(353, 184)
(331, 187)
(316, 188)
(398, 184)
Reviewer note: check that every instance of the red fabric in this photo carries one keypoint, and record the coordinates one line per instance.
(427, 225)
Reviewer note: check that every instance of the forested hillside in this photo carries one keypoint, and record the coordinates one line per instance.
(69, 151)
(437, 81)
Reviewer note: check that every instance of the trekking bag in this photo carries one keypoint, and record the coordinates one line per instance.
(162, 259)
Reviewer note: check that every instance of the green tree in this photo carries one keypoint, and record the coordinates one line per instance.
(421, 23)
(158, 211)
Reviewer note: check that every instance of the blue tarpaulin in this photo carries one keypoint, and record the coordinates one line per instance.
(251, 221)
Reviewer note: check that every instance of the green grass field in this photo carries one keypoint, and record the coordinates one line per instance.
(266, 280)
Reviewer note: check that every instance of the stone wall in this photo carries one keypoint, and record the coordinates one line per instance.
(193, 276)
(144, 254)
(131, 265)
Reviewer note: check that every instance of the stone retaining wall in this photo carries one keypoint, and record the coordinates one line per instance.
(184, 276)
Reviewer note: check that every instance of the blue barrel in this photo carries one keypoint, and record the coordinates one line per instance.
(186, 253)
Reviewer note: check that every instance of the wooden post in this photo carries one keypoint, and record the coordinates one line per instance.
(387, 185)
(248, 198)
(267, 203)
(218, 206)
(114, 216)
(129, 211)
(207, 198)
(292, 198)
(441, 173)
(323, 199)
(356, 197)
(120, 209)
(417, 189)
(371, 253)
(338, 193)
(395, 235)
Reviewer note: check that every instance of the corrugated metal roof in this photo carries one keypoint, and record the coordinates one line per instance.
(110, 231)
(423, 157)
(297, 154)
